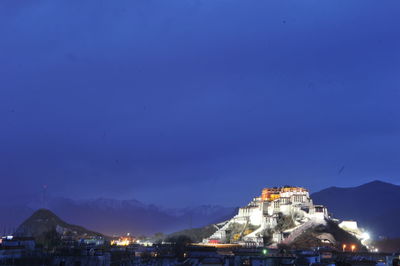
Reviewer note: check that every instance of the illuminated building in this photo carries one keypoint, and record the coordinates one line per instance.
(123, 241)
(264, 213)
(271, 194)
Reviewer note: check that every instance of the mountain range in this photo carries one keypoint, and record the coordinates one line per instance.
(374, 205)
(117, 217)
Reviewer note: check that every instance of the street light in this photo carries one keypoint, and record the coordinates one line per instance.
(353, 247)
(344, 247)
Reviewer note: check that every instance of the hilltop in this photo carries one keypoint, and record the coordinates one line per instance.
(284, 216)
(373, 205)
(43, 223)
(327, 234)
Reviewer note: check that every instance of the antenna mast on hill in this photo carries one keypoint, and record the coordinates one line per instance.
(44, 197)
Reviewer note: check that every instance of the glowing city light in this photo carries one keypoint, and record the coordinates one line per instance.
(344, 247)
(353, 247)
(365, 236)
(123, 241)
(265, 251)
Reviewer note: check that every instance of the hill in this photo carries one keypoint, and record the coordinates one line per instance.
(329, 234)
(112, 216)
(44, 222)
(195, 234)
(374, 205)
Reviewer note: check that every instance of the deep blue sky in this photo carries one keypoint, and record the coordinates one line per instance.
(184, 102)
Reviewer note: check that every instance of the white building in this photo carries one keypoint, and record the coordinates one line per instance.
(265, 213)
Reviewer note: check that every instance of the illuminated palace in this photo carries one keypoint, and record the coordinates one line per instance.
(280, 213)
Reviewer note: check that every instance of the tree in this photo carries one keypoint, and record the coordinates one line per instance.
(267, 236)
(284, 222)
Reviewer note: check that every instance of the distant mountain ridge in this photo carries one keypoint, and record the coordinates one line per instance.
(120, 217)
(112, 216)
(375, 205)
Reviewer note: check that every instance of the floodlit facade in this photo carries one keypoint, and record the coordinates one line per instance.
(268, 212)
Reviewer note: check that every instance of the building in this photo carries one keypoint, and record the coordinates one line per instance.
(11, 241)
(16, 247)
(268, 212)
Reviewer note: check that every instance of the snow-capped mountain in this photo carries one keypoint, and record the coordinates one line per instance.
(112, 216)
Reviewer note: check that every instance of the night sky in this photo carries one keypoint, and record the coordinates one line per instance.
(185, 102)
